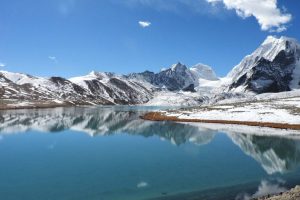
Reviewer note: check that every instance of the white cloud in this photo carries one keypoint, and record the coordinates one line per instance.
(266, 12)
(53, 58)
(144, 24)
(2, 64)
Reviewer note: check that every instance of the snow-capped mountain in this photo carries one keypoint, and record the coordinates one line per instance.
(27, 87)
(273, 67)
(177, 77)
(103, 88)
(138, 88)
(114, 88)
(201, 71)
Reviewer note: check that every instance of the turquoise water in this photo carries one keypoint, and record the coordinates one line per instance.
(109, 153)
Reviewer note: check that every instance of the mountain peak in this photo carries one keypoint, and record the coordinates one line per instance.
(178, 67)
(273, 45)
(272, 67)
(269, 50)
(271, 39)
(204, 71)
(100, 74)
(92, 73)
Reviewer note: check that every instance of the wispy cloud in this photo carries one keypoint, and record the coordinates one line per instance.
(2, 64)
(144, 24)
(53, 58)
(269, 16)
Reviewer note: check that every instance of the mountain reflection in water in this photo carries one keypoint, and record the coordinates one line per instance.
(274, 153)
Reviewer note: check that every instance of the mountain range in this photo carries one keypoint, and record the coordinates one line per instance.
(273, 67)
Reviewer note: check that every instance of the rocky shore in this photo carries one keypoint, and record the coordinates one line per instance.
(293, 194)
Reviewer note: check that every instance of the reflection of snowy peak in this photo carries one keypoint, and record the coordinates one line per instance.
(274, 157)
(101, 121)
(273, 67)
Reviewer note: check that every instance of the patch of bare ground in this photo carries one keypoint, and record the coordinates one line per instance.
(158, 116)
(292, 109)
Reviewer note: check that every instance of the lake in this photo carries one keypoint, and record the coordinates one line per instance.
(109, 153)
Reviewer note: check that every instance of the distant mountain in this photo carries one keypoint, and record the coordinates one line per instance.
(178, 77)
(273, 67)
(27, 87)
(101, 87)
(116, 89)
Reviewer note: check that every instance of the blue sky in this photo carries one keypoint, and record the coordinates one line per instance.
(73, 37)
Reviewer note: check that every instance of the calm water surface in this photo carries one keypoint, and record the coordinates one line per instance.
(108, 153)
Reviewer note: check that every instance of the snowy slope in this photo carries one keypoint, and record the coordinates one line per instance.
(171, 86)
(201, 71)
(283, 111)
(25, 87)
(115, 88)
(109, 88)
(272, 67)
(268, 50)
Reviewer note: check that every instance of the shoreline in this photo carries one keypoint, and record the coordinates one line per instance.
(42, 105)
(4, 108)
(159, 116)
(292, 194)
(154, 116)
